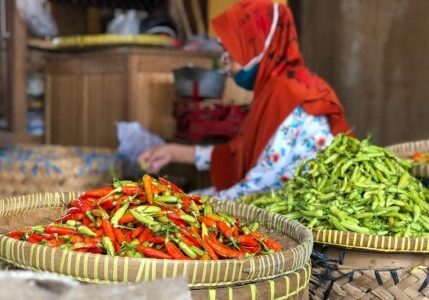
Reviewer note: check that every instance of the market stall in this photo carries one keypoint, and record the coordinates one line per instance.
(369, 220)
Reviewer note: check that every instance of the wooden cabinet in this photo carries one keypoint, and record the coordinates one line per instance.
(88, 92)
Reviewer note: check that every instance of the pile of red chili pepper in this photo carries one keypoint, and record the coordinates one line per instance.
(152, 218)
(422, 158)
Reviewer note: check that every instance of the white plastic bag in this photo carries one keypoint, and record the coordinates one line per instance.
(133, 140)
(124, 23)
(37, 18)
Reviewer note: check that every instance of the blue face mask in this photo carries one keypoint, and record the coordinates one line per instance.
(246, 78)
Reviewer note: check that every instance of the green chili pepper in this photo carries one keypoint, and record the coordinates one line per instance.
(188, 218)
(187, 250)
(148, 209)
(108, 245)
(198, 251)
(167, 199)
(143, 218)
(208, 209)
(119, 214)
(353, 227)
(86, 231)
(73, 223)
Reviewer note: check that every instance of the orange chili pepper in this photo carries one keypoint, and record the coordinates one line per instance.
(127, 218)
(214, 217)
(147, 182)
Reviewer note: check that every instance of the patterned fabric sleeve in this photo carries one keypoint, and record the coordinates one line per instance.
(298, 138)
(203, 156)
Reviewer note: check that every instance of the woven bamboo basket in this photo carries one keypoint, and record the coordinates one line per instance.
(32, 169)
(349, 265)
(280, 275)
(408, 149)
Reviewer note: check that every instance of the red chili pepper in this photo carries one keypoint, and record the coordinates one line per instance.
(257, 235)
(253, 250)
(117, 246)
(223, 250)
(247, 240)
(85, 205)
(136, 232)
(151, 252)
(92, 240)
(144, 235)
(86, 221)
(175, 252)
(209, 250)
(225, 229)
(74, 210)
(127, 218)
(177, 221)
(60, 230)
(120, 200)
(74, 203)
(108, 229)
(187, 241)
(55, 243)
(35, 238)
(97, 193)
(196, 198)
(207, 221)
(157, 189)
(189, 236)
(76, 239)
(76, 216)
(156, 240)
(108, 205)
(186, 203)
(84, 250)
(118, 235)
(78, 246)
(173, 187)
(130, 190)
(15, 234)
(127, 237)
(272, 244)
(96, 250)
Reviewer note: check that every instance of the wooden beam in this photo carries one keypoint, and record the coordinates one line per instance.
(18, 56)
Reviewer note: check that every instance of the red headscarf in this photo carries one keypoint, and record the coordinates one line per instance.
(282, 84)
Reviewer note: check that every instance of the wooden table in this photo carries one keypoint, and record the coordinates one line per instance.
(87, 92)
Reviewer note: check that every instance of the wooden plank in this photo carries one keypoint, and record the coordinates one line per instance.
(18, 73)
(366, 52)
(197, 13)
(152, 105)
(104, 106)
(66, 122)
(93, 20)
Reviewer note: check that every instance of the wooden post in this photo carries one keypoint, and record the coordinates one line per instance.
(18, 56)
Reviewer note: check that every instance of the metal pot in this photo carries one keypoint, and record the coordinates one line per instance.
(199, 83)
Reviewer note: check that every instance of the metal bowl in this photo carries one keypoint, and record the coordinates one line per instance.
(199, 83)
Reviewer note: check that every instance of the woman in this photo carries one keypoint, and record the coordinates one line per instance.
(293, 115)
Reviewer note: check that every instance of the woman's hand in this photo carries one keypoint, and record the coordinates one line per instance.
(154, 159)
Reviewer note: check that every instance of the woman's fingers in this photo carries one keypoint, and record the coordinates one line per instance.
(158, 164)
(155, 158)
(145, 155)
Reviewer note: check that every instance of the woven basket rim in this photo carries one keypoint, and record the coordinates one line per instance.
(412, 144)
(407, 149)
(299, 253)
(370, 242)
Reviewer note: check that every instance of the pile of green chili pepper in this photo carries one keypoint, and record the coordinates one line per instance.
(152, 218)
(353, 186)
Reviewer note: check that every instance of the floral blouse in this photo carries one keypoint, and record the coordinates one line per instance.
(298, 138)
